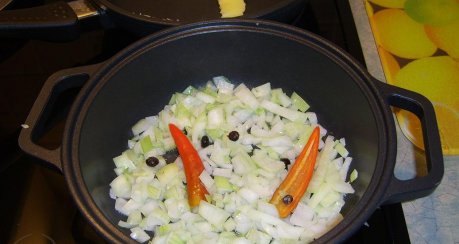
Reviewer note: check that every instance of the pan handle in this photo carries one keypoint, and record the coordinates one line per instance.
(34, 125)
(59, 21)
(403, 190)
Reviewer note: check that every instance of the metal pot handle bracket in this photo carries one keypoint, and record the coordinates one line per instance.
(402, 190)
(56, 84)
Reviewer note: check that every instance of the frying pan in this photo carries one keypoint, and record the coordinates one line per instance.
(139, 81)
(9, 4)
(62, 21)
(9, 46)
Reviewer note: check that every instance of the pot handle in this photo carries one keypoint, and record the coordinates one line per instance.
(34, 125)
(59, 21)
(403, 190)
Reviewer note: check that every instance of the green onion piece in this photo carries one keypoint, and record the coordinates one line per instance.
(299, 102)
(353, 175)
(146, 144)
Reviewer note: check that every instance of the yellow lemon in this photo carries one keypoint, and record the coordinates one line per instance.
(389, 64)
(369, 8)
(437, 78)
(397, 33)
(389, 3)
(446, 37)
(433, 12)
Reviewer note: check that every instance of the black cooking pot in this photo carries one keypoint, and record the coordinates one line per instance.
(140, 80)
(63, 21)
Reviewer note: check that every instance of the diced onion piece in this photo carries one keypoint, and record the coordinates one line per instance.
(124, 162)
(280, 141)
(312, 117)
(299, 102)
(246, 96)
(341, 150)
(146, 144)
(207, 181)
(267, 208)
(167, 173)
(302, 215)
(205, 97)
(213, 214)
(279, 97)
(324, 189)
(134, 218)
(255, 236)
(343, 171)
(215, 118)
(343, 187)
(223, 185)
(229, 225)
(222, 172)
(139, 235)
(140, 126)
(353, 176)
(262, 91)
(249, 195)
(121, 186)
(284, 112)
(119, 204)
(223, 85)
(176, 208)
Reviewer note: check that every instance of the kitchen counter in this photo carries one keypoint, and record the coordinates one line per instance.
(435, 218)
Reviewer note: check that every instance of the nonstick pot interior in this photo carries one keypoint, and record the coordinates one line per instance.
(141, 80)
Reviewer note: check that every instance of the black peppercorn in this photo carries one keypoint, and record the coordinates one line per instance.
(205, 141)
(152, 161)
(233, 135)
(286, 162)
(287, 199)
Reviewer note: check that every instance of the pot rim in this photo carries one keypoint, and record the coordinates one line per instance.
(383, 172)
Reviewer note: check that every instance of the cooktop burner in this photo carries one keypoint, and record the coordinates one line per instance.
(38, 206)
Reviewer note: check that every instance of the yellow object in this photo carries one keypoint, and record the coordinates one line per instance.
(397, 33)
(433, 12)
(446, 37)
(389, 3)
(408, 38)
(437, 78)
(447, 119)
(390, 65)
(231, 8)
(369, 9)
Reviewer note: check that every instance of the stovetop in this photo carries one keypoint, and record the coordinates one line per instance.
(38, 206)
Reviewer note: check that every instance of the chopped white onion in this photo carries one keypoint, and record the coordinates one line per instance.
(240, 175)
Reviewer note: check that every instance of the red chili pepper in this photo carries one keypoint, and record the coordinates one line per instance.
(192, 164)
(291, 190)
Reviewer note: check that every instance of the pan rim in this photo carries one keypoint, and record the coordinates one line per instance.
(386, 158)
(107, 4)
(4, 3)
